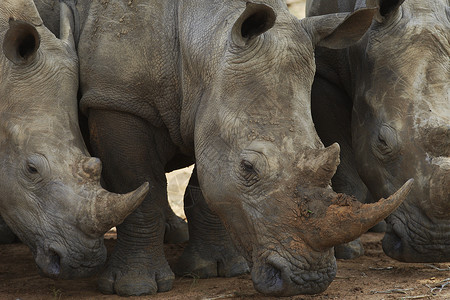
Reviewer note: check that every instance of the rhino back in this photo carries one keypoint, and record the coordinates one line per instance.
(129, 61)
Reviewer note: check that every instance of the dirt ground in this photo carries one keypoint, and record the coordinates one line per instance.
(372, 276)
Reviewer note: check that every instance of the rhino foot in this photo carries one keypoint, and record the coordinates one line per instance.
(210, 252)
(134, 277)
(176, 229)
(211, 261)
(350, 250)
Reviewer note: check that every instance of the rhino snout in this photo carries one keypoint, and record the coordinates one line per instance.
(277, 277)
(60, 263)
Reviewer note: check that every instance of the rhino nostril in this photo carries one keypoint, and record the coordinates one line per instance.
(267, 279)
(274, 277)
(393, 243)
(49, 262)
(55, 263)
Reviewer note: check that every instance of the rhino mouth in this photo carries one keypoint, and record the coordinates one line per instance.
(414, 242)
(275, 276)
(53, 264)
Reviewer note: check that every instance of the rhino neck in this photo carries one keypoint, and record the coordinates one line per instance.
(197, 29)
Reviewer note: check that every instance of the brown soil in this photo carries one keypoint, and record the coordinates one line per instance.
(372, 276)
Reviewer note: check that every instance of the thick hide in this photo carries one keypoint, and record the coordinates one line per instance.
(387, 98)
(50, 193)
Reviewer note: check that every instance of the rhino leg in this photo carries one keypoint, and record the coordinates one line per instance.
(133, 152)
(6, 234)
(331, 109)
(349, 250)
(380, 227)
(176, 228)
(210, 252)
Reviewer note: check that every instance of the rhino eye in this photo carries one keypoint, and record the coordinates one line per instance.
(247, 166)
(32, 169)
(382, 141)
(36, 167)
(436, 140)
(386, 144)
(248, 173)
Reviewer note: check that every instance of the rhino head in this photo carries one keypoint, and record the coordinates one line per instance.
(401, 116)
(261, 165)
(50, 188)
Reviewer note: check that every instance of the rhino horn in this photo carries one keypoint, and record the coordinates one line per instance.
(328, 162)
(104, 209)
(92, 168)
(107, 209)
(319, 166)
(346, 218)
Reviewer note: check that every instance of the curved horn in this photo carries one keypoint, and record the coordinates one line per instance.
(346, 218)
(320, 166)
(108, 209)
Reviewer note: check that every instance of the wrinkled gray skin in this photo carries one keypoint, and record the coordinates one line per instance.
(219, 83)
(389, 99)
(50, 193)
(175, 227)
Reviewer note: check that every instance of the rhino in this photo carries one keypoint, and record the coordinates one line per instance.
(386, 100)
(50, 192)
(167, 83)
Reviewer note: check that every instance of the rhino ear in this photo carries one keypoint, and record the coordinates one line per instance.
(254, 21)
(386, 8)
(337, 31)
(21, 42)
